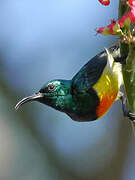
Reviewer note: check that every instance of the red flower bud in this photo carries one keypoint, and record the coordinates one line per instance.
(103, 31)
(133, 13)
(104, 2)
(128, 18)
(111, 29)
(131, 2)
(125, 20)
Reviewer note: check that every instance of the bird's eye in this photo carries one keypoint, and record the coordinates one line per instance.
(51, 87)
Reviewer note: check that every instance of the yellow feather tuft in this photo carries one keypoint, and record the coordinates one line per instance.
(108, 85)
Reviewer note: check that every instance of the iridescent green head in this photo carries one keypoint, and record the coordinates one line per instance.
(53, 94)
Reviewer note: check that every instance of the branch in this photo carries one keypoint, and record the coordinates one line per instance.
(128, 68)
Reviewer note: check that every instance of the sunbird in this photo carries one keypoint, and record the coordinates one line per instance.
(89, 94)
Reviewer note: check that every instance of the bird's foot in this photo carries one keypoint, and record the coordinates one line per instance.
(126, 112)
(131, 116)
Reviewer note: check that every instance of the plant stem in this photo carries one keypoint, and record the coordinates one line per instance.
(128, 71)
(128, 67)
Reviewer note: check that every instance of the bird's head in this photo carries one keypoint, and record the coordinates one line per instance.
(52, 94)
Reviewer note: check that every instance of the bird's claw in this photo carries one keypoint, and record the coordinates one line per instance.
(126, 112)
(131, 116)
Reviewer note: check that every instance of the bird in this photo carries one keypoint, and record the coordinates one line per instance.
(89, 94)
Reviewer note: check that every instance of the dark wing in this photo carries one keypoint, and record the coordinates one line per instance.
(89, 74)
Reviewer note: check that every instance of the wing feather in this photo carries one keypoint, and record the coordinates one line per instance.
(89, 74)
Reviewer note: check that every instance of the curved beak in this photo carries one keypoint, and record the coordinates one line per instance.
(34, 97)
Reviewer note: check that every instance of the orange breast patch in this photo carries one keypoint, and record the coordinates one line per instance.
(105, 103)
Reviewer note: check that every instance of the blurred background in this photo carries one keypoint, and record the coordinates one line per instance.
(43, 40)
